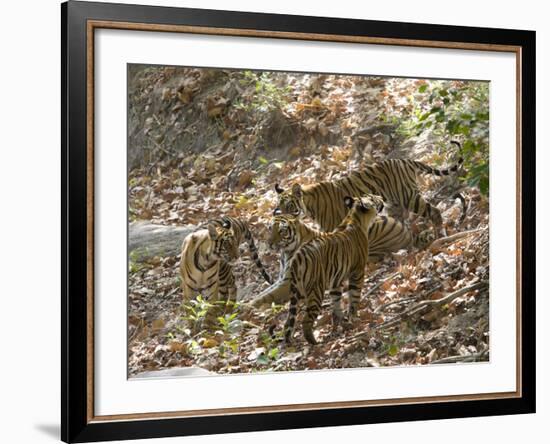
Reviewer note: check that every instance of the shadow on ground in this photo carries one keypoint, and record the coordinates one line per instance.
(51, 430)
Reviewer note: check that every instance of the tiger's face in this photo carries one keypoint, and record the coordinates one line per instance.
(223, 245)
(282, 231)
(290, 201)
(363, 210)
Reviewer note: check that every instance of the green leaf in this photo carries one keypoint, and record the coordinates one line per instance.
(273, 353)
(452, 126)
(468, 147)
(234, 345)
(424, 116)
(423, 88)
(263, 160)
(482, 115)
(484, 185)
(393, 350)
(463, 130)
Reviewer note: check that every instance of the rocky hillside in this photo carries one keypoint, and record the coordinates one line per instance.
(205, 142)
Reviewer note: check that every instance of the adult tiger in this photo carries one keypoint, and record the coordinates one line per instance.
(386, 235)
(206, 256)
(326, 262)
(393, 179)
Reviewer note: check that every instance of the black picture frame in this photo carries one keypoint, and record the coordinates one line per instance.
(76, 424)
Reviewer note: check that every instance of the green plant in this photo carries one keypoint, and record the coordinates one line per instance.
(455, 110)
(275, 309)
(231, 328)
(229, 346)
(230, 324)
(267, 96)
(271, 341)
(134, 264)
(193, 346)
(197, 309)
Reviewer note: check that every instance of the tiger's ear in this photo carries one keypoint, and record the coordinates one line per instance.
(348, 200)
(226, 223)
(297, 190)
(278, 189)
(277, 212)
(212, 232)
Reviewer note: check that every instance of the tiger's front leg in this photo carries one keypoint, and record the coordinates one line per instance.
(211, 296)
(355, 286)
(419, 205)
(313, 308)
(290, 323)
(290, 320)
(228, 300)
(336, 303)
(188, 292)
(227, 289)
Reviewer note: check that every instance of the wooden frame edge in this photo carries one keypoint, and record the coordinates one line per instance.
(235, 32)
(98, 24)
(519, 223)
(285, 408)
(90, 119)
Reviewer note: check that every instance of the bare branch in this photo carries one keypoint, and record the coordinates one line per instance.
(441, 242)
(380, 283)
(422, 306)
(462, 358)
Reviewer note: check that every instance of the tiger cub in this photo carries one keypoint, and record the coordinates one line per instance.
(206, 256)
(386, 235)
(326, 262)
(394, 180)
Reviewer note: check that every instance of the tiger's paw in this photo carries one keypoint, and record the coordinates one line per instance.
(310, 337)
(347, 324)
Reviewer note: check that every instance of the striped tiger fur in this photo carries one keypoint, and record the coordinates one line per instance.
(206, 256)
(326, 262)
(386, 235)
(394, 180)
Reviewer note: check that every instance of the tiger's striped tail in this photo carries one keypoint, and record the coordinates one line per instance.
(442, 172)
(464, 206)
(254, 251)
(277, 293)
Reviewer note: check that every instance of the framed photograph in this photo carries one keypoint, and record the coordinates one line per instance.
(276, 221)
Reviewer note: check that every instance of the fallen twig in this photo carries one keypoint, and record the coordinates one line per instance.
(397, 302)
(251, 325)
(441, 242)
(421, 306)
(462, 358)
(382, 307)
(407, 299)
(410, 298)
(380, 283)
(164, 150)
(134, 335)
